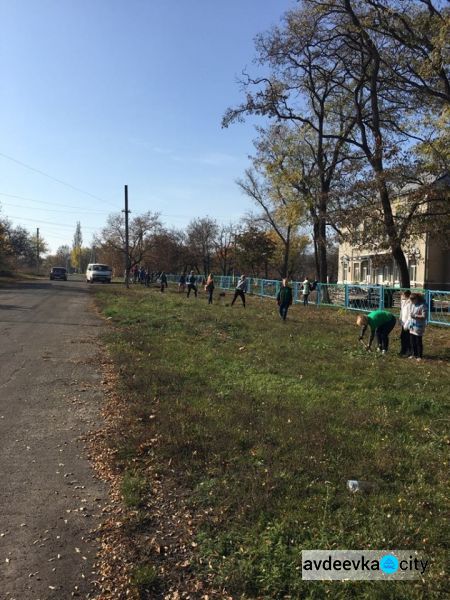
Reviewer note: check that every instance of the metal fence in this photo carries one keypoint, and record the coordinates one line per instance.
(349, 296)
(438, 307)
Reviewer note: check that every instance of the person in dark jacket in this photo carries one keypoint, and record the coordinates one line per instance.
(163, 281)
(284, 299)
(381, 323)
(191, 281)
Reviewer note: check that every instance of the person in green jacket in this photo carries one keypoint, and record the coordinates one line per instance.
(381, 323)
(284, 298)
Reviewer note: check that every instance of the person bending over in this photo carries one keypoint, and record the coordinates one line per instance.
(381, 323)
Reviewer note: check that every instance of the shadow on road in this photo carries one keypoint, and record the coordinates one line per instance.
(13, 307)
(58, 323)
(81, 289)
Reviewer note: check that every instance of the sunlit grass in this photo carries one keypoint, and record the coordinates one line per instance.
(264, 422)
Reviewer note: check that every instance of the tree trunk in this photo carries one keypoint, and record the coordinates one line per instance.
(322, 233)
(322, 247)
(316, 249)
(287, 249)
(400, 259)
(390, 228)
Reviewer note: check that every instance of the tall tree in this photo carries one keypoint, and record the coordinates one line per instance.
(201, 237)
(281, 211)
(111, 240)
(300, 88)
(360, 101)
(77, 245)
(254, 251)
(382, 100)
(224, 245)
(62, 256)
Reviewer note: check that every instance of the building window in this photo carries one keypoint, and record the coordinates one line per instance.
(387, 273)
(356, 272)
(365, 271)
(413, 270)
(396, 273)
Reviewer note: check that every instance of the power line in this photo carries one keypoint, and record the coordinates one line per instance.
(38, 201)
(50, 223)
(69, 185)
(53, 210)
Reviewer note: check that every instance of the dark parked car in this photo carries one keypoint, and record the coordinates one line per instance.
(58, 273)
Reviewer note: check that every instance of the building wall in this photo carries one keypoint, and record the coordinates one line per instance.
(429, 264)
(356, 266)
(438, 268)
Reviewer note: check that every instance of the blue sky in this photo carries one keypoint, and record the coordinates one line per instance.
(102, 93)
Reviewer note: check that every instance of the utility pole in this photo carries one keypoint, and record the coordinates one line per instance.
(37, 251)
(127, 241)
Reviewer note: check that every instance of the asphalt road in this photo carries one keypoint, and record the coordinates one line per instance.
(50, 395)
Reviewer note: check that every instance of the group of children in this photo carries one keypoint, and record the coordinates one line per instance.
(413, 315)
(284, 296)
(145, 277)
(191, 282)
(413, 312)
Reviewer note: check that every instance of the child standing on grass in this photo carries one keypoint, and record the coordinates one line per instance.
(381, 323)
(306, 291)
(209, 287)
(182, 283)
(191, 280)
(163, 281)
(417, 325)
(284, 298)
(240, 290)
(405, 318)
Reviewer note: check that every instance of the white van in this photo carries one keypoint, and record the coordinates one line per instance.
(97, 272)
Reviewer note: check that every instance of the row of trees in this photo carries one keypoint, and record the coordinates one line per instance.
(358, 94)
(19, 249)
(205, 246)
(253, 247)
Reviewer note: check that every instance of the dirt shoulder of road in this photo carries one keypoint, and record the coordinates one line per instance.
(157, 538)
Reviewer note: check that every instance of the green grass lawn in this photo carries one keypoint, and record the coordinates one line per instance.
(265, 421)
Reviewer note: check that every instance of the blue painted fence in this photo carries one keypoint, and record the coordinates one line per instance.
(348, 296)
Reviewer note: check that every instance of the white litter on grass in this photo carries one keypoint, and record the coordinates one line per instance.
(353, 485)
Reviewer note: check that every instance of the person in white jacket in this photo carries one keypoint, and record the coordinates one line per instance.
(405, 321)
(240, 290)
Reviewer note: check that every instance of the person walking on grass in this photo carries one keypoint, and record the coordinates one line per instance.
(381, 323)
(405, 321)
(284, 298)
(240, 290)
(209, 287)
(191, 284)
(182, 283)
(306, 290)
(417, 325)
(163, 281)
(135, 273)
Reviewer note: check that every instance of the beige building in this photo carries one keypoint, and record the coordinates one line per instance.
(428, 262)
